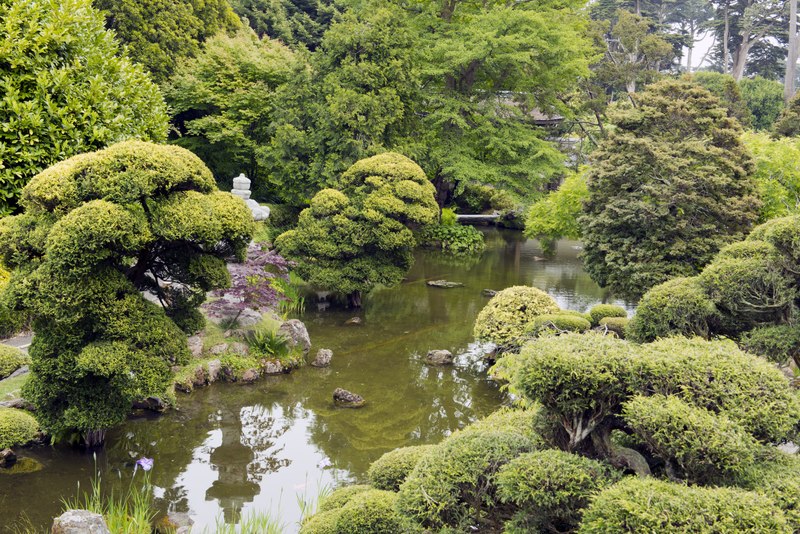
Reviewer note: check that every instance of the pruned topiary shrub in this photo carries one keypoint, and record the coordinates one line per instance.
(455, 483)
(776, 476)
(11, 359)
(370, 512)
(616, 325)
(679, 306)
(17, 428)
(777, 343)
(391, 469)
(649, 505)
(551, 488)
(601, 311)
(506, 315)
(698, 445)
(340, 496)
(558, 323)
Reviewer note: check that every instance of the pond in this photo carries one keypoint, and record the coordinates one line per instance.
(228, 449)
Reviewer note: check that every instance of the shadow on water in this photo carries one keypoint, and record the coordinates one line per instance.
(229, 449)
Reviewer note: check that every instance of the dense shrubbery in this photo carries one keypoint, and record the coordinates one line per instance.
(454, 239)
(357, 510)
(748, 292)
(764, 99)
(391, 469)
(788, 124)
(98, 229)
(556, 322)
(11, 359)
(360, 235)
(776, 174)
(556, 215)
(66, 90)
(16, 428)
(504, 318)
(648, 505)
(640, 230)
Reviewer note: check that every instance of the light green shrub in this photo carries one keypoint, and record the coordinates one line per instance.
(576, 313)
(783, 233)
(391, 469)
(618, 325)
(455, 238)
(679, 306)
(370, 512)
(321, 523)
(777, 477)
(11, 359)
(601, 311)
(448, 217)
(701, 446)
(557, 322)
(649, 505)
(455, 482)
(16, 428)
(552, 488)
(340, 496)
(777, 343)
(505, 316)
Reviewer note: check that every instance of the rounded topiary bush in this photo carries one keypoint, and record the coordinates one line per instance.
(391, 469)
(679, 306)
(321, 523)
(600, 311)
(340, 496)
(552, 488)
(777, 343)
(557, 322)
(370, 512)
(455, 483)
(615, 324)
(650, 505)
(11, 359)
(16, 428)
(504, 318)
(778, 478)
(783, 233)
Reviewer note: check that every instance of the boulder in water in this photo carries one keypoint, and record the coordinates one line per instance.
(439, 357)
(347, 399)
(80, 522)
(296, 333)
(323, 359)
(445, 284)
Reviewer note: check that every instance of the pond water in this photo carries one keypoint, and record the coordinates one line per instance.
(227, 450)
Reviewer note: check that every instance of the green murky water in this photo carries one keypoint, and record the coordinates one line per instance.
(229, 449)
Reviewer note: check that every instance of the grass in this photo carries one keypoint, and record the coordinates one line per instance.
(10, 387)
(251, 523)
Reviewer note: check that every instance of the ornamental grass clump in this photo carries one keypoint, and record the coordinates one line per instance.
(98, 231)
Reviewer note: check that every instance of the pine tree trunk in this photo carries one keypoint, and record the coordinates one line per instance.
(725, 36)
(791, 59)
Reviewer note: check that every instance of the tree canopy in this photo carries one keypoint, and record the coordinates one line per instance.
(98, 229)
(667, 189)
(66, 89)
(360, 235)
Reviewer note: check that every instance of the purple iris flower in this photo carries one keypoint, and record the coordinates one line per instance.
(145, 463)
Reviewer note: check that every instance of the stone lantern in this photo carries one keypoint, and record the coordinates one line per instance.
(241, 188)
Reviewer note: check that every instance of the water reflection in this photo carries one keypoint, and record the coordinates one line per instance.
(230, 449)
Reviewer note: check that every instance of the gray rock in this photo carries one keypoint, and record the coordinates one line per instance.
(353, 321)
(195, 346)
(295, 331)
(175, 522)
(347, 399)
(214, 369)
(218, 349)
(19, 404)
(80, 522)
(249, 376)
(439, 357)
(488, 292)
(323, 359)
(444, 284)
(239, 348)
(154, 404)
(199, 378)
(249, 317)
(271, 367)
(19, 372)
(7, 458)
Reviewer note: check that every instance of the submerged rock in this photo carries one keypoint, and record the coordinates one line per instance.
(488, 292)
(353, 321)
(272, 367)
(154, 404)
(439, 357)
(176, 522)
(346, 399)
(295, 331)
(444, 284)
(323, 359)
(80, 522)
(249, 376)
(7, 458)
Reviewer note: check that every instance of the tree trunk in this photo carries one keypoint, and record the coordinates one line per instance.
(618, 456)
(791, 59)
(354, 299)
(93, 439)
(725, 36)
(740, 58)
